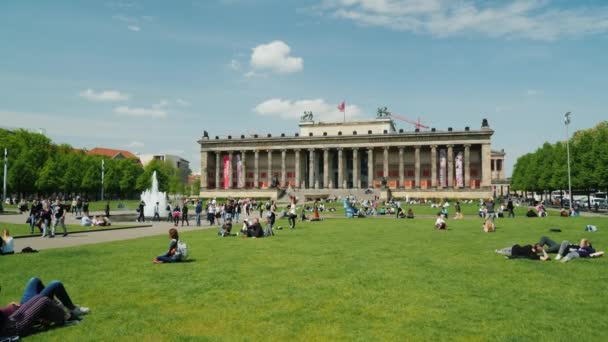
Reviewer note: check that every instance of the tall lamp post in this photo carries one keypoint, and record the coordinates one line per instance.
(103, 169)
(5, 174)
(567, 123)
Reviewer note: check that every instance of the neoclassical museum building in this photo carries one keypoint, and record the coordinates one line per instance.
(354, 158)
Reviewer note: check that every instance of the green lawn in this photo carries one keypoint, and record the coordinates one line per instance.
(359, 279)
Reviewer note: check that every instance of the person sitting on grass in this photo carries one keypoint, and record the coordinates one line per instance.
(524, 252)
(37, 306)
(531, 213)
(440, 222)
(410, 213)
(226, 228)
(254, 229)
(86, 221)
(7, 245)
(583, 250)
(563, 212)
(171, 255)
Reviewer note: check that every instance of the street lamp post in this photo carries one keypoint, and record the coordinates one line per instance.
(5, 175)
(567, 123)
(103, 169)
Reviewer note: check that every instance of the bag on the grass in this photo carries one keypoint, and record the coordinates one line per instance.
(590, 228)
(182, 249)
(28, 249)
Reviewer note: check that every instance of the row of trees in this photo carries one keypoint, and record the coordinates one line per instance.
(547, 167)
(39, 167)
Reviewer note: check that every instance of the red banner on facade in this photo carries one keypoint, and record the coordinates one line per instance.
(226, 172)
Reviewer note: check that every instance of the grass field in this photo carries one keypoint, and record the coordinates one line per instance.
(360, 279)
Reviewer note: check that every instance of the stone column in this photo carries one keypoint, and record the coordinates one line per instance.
(356, 181)
(370, 167)
(217, 170)
(434, 166)
(269, 174)
(311, 168)
(401, 169)
(243, 169)
(467, 166)
(229, 169)
(204, 171)
(297, 170)
(417, 166)
(325, 168)
(450, 166)
(340, 184)
(256, 169)
(283, 171)
(486, 173)
(385, 171)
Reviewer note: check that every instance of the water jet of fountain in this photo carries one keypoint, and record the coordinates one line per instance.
(151, 196)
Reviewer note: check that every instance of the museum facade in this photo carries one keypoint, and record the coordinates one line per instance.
(351, 157)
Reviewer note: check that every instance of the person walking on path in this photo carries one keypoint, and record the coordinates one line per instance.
(140, 210)
(59, 218)
(156, 213)
(185, 213)
(197, 212)
(107, 210)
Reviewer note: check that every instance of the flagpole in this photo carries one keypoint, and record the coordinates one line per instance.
(5, 169)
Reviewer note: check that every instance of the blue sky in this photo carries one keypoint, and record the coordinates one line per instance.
(150, 76)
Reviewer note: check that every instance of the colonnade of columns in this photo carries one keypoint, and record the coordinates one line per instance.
(345, 177)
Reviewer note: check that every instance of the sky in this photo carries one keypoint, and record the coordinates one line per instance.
(151, 76)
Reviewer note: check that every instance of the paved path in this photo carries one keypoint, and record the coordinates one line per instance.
(85, 238)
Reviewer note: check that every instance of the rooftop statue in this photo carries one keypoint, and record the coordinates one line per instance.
(485, 124)
(307, 116)
(382, 113)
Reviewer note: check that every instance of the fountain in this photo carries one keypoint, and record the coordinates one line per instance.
(151, 196)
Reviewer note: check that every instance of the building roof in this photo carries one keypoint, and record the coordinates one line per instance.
(108, 152)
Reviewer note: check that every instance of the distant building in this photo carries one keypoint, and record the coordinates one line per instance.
(112, 153)
(180, 163)
(354, 158)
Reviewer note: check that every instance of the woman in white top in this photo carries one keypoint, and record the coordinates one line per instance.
(8, 246)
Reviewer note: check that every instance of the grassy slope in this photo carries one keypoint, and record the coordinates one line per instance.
(338, 279)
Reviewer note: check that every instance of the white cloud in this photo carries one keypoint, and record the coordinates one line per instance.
(322, 111)
(134, 28)
(528, 19)
(136, 144)
(156, 111)
(275, 56)
(182, 102)
(532, 92)
(235, 65)
(103, 96)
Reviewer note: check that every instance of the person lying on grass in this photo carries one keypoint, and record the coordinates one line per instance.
(38, 307)
(171, 255)
(440, 222)
(535, 252)
(583, 250)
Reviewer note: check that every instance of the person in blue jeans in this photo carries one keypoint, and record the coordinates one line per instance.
(54, 289)
(197, 211)
(171, 255)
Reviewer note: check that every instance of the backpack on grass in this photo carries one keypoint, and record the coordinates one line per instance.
(182, 250)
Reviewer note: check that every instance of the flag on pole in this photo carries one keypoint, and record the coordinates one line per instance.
(342, 106)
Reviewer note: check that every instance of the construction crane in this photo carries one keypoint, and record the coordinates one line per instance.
(383, 113)
(415, 123)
